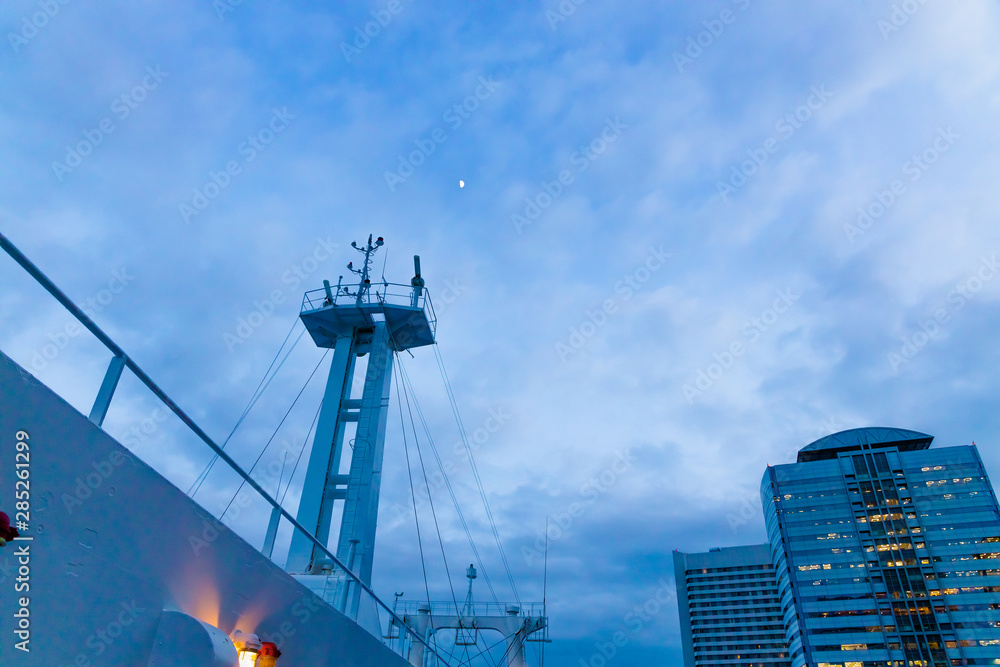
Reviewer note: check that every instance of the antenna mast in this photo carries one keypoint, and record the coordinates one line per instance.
(545, 588)
(471, 575)
(353, 324)
(363, 272)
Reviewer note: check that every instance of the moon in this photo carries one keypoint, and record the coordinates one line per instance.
(461, 184)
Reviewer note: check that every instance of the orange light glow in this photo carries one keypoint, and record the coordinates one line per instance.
(252, 616)
(197, 595)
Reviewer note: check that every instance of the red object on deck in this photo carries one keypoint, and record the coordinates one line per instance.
(6, 532)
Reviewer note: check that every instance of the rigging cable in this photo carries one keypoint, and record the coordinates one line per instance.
(281, 475)
(402, 378)
(407, 383)
(506, 658)
(451, 491)
(485, 652)
(448, 485)
(438, 649)
(196, 485)
(258, 392)
(430, 500)
(305, 443)
(416, 520)
(413, 496)
(475, 471)
(267, 444)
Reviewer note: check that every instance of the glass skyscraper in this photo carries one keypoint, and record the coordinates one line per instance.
(729, 607)
(886, 553)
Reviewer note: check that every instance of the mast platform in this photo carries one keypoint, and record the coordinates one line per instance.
(331, 312)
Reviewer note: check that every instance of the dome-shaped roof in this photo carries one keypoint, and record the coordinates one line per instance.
(864, 438)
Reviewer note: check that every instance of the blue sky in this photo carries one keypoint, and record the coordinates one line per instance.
(704, 234)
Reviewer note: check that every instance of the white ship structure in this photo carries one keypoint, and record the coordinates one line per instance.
(114, 565)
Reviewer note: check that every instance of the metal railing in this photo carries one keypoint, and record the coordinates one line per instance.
(393, 294)
(121, 360)
(531, 609)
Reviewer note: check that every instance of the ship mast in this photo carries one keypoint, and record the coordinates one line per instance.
(354, 323)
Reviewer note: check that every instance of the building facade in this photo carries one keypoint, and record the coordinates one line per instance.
(885, 553)
(729, 607)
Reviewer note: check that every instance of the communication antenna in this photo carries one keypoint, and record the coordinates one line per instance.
(365, 282)
(545, 586)
(416, 282)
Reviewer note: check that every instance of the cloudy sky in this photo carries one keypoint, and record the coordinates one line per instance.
(692, 238)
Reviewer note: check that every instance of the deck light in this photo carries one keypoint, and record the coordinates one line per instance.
(269, 655)
(247, 647)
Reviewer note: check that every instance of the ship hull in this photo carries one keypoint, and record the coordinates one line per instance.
(115, 549)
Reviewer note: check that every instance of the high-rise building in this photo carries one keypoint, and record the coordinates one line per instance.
(729, 607)
(885, 553)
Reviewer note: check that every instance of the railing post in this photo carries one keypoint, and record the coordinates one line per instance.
(107, 391)
(272, 532)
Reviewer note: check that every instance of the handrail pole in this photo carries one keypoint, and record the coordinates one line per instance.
(107, 390)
